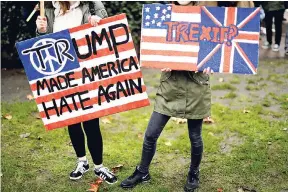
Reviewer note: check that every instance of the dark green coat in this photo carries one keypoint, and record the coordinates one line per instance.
(273, 5)
(184, 94)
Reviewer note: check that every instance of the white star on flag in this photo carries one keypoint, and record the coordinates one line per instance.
(156, 15)
(159, 24)
(147, 9)
(147, 17)
(169, 8)
(147, 24)
(163, 18)
(158, 8)
(164, 11)
(168, 16)
(153, 21)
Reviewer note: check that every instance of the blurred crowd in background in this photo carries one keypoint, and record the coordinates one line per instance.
(14, 26)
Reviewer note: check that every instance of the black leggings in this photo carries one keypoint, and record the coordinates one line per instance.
(94, 139)
(156, 124)
(278, 18)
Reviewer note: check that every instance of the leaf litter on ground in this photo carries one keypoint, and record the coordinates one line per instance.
(179, 120)
(117, 168)
(246, 111)
(7, 116)
(168, 143)
(29, 97)
(94, 187)
(36, 115)
(25, 135)
(106, 121)
(208, 120)
(245, 189)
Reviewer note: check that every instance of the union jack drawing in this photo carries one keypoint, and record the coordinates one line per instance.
(242, 55)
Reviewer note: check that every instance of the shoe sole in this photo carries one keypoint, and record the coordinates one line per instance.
(275, 50)
(106, 181)
(130, 187)
(266, 47)
(190, 190)
(77, 178)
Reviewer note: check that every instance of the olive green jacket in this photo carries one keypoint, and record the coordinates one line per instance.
(184, 94)
(273, 5)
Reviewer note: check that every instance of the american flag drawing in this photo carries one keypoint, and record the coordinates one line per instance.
(104, 55)
(154, 46)
(241, 56)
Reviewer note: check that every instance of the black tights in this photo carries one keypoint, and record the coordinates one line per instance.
(278, 18)
(94, 139)
(156, 124)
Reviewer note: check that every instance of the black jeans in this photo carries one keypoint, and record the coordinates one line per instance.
(156, 124)
(278, 18)
(94, 139)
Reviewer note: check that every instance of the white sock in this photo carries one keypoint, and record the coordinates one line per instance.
(82, 158)
(98, 166)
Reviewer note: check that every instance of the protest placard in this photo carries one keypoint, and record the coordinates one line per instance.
(84, 73)
(226, 39)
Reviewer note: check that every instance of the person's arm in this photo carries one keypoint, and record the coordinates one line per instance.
(97, 8)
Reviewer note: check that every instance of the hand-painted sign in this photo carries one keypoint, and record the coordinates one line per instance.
(194, 37)
(84, 72)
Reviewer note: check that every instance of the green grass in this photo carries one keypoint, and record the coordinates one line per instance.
(282, 100)
(224, 86)
(230, 95)
(276, 78)
(30, 164)
(266, 103)
(43, 161)
(251, 81)
(252, 87)
(235, 80)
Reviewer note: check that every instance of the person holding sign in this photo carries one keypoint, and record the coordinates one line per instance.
(61, 15)
(181, 94)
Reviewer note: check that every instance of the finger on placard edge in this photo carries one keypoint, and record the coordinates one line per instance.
(165, 69)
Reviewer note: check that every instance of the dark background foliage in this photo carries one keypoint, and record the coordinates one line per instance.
(15, 28)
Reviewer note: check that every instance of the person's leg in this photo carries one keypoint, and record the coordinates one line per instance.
(94, 140)
(268, 24)
(195, 135)
(78, 142)
(286, 41)
(195, 129)
(77, 139)
(156, 124)
(95, 146)
(278, 15)
(141, 174)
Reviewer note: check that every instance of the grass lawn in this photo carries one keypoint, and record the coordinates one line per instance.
(240, 149)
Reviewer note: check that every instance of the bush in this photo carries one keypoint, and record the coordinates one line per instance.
(133, 10)
(14, 28)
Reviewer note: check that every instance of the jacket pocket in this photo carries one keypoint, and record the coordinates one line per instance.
(199, 78)
(165, 76)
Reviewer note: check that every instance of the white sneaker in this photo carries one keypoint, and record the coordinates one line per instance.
(266, 45)
(81, 168)
(275, 48)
